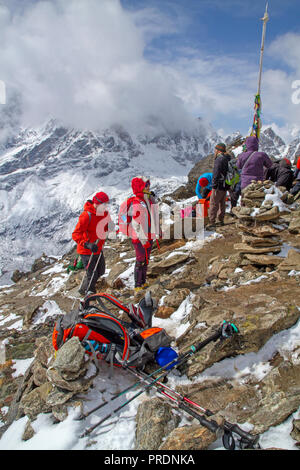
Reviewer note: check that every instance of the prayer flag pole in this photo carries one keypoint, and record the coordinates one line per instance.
(257, 117)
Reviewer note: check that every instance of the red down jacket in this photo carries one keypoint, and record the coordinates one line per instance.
(91, 227)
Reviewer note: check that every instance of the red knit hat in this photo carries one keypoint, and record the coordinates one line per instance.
(203, 182)
(287, 161)
(100, 198)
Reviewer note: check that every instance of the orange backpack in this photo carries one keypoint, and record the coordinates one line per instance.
(106, 337)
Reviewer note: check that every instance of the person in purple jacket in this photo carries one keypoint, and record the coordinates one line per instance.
(252, 163)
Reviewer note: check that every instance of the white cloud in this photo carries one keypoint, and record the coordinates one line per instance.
(83, 62)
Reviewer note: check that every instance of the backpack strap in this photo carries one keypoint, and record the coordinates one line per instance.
(99, 298)
(248, 159)
(90, 216)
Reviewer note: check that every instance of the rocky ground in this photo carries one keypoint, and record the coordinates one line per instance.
(247, 273)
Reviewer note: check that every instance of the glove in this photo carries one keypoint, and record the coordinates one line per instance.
(147, 245)
(91, 246)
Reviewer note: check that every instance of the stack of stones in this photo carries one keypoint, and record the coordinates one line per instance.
(51, 384)
(257, 218)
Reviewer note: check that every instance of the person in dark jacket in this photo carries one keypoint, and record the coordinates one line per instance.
(252, 163)
(272, 173)
(296, 188)
(219, 188)
(285, 174)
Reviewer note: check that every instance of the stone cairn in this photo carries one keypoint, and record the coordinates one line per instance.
(257, 218)
(259, 222)
(51, 383)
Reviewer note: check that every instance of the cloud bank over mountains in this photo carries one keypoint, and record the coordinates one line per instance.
(85, 63)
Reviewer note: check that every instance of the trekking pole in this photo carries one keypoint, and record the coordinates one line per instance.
(94, 271)
(225, 331)
(85, 415)
(247, 441)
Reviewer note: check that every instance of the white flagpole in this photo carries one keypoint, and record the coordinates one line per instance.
(265, 19)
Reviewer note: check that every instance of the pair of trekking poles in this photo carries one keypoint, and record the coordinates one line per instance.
(87, 269)
(157, 380)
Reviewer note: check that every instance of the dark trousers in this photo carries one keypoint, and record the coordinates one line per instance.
(142, 257)
(234, 196)
(92, 272)
(295, 189)
(217, 206)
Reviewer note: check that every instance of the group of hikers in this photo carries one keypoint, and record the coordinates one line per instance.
(231, 175)
(139, 220)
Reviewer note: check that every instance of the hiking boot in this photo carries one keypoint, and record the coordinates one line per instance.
(211, 227)
(138, 289)
(220, 224)
(145, 286)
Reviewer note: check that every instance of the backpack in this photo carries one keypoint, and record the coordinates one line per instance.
(233, 175)
(106, 337)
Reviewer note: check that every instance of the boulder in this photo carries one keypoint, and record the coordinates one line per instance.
(264, 260)
(254, 194)
(192, 437)
(261, 241)
(75, 386)
(244, 248)
(35, 402)
(295, 433)
(17, 275)
(170, 262)
(271, 214)
(164, 312)
(262, 230)
(28, 432)
(294, 226)
(70, 360)
(42, 262)
(291, 262)
(264, 402)
(176, 297)
(242, 212)
(154, 421)
(258, 317)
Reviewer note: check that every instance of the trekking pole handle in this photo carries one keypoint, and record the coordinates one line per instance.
(201, 345)
(210, 425)
(246, 436)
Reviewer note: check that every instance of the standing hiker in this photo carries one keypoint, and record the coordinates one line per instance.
(219, 187)
(90, 234)
(285, 174)
(139, 219)
(252, 163)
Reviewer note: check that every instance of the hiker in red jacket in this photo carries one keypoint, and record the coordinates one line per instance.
(144, 227)
(90, 234)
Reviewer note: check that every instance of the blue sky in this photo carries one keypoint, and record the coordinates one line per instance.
(151, 64)
(222, 29)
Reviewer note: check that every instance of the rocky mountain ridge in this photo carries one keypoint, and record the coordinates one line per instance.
(46, 174)
(247, 272)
